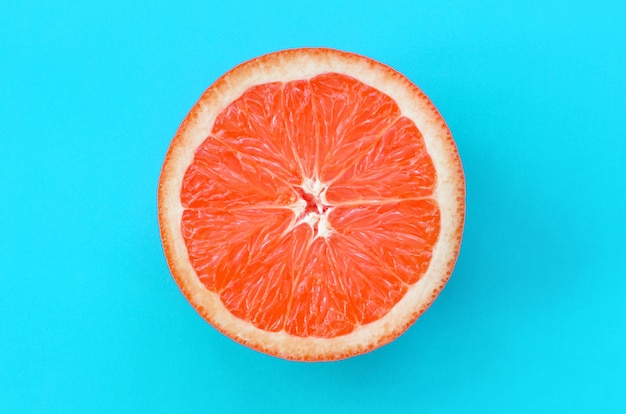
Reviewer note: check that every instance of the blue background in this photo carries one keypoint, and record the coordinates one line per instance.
(534, 317)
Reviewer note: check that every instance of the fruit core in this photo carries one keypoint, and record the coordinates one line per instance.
(312, 207)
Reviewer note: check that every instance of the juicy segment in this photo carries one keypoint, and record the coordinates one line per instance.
(244, 199)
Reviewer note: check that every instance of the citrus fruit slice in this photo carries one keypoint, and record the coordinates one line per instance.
(311, 204)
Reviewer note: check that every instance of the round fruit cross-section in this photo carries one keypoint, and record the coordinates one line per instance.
(311, 204)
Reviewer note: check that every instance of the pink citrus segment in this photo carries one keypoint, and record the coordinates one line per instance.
(340, 289)
(221, 243)
(396, 167)
(351, 117)
(399, 236)
(262, 290)
(254, 126)
(300, 126)
(220, 177)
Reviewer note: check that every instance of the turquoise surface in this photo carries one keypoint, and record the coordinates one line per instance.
(533, 318)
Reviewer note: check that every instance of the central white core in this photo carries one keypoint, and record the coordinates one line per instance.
(312, 207)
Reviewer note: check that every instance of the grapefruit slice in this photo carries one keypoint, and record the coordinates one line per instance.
(311, 204)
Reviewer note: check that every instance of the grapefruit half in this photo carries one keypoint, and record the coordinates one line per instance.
(311, 204)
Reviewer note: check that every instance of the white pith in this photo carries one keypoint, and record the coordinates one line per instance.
(448, 193)
(318, 221)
